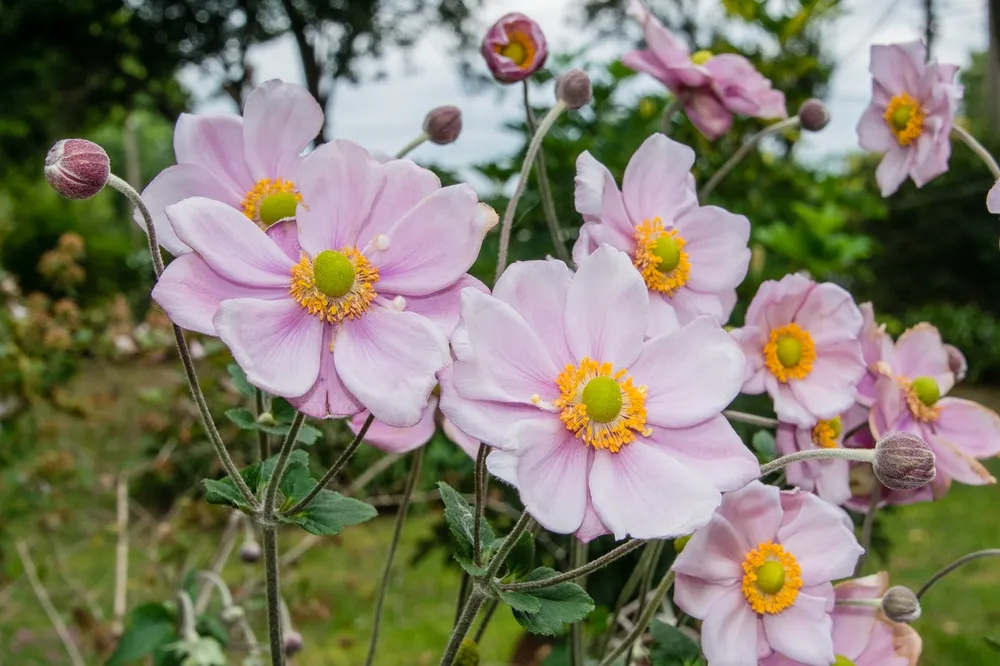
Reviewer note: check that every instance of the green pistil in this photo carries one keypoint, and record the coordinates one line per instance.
(603, 399)
(789, 351)
(770, 577)
(668, 252)
(927, 390)
(277, 207)
(334, 273)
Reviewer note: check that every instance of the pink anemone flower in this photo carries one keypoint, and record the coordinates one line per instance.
(344, 309)
(909, 119)
(404, 440)
(713, 87)
(829, 479)
(876, 346)
(555, 370)
(248, 163)
(691, 257)
(911, 398)
(759, 576)
(514, 48)
(802, 348)
(863, 636)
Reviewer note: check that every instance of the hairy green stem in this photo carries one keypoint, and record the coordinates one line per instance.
(548, 203)
(491, 609)
(579, 571)
(481, 480)
(978, 149)
(965, 559)
(462, 626)
(272, 589)
(417, 141)
(743, 151)
(577, 560)
(335, 469)
(857, 455)
(268, 509)
(263, 441)
(404, 506)
(867, 525)
(463, 594)
(643, 621)
(752, 419)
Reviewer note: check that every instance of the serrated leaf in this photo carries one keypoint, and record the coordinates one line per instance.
(242, 417)
(330, 513)
(763, 443)
(521, 601)
(224, 492)
(309, 435)
(459, 515)
(240, 380)
(560, 604)
(149, 627)
(671, 646)
(469, 566)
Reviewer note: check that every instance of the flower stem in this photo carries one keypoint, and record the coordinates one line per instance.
(752, 419)
(411, 483)
(522, 524)
(182, 348)
(481, 481)
(857, 455)
(978, 149)
(491, 608)
(644, 587)
(263, 441)
(268, 509)
(644, 619)
(668, 114)
(272, 588)
(417, 140)
(462, 626)
(335, 469)
(965, 559)
(463, 593)
(743, 151)
(581, 570)
(548, 204)
(529, 158)
(578, 560)
(862, 603)
(647, 561)
(867, 525)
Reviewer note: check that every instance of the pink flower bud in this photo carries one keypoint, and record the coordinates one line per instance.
(77, 168)
(574, 89)
(250, 552)
(813, 115)
(514, 48)
(443, 124)
(956, 362)
(903, 461)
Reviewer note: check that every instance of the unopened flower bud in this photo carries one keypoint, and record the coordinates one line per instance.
(468, 654)
(77, 169)
(443, 124)
(250, 552)
(813, 115)
(903, 461)
(293, 643)
(232, 614)
(266, 419)
(574, 89)
(956, 362)
(900, 604)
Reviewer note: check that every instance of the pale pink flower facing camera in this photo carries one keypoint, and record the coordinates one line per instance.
(759, 576)
(909, 119)
(514, 48)
(802, 348)
(348, 307)
(912, 398)
(554, 369)
(691, 257)
(713, 87)
(862, 635)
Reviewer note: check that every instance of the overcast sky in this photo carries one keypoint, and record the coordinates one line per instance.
(386, 114)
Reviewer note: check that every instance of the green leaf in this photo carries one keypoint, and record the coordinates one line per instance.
(522, 557)
(242, 417)
(459, 515)
(521, 601)
(671, 646)
(240, 380)
(150, 627)
(207, 625)
(763, 443)
(470, 567)
(309, 435)
(223, 492)
(330, 513)
(559, 605)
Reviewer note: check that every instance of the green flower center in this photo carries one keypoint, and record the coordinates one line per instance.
(603, 399)
(841, 660)
(277, 207)
(900, 118)
(789, 351)
(771, 577)
(837, 425)
(680, 542)
(701, 57)
(334, 273)
(668, 252)
(927, 390)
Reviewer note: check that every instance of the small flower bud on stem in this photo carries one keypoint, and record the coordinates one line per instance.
(443, 125)
(903, 461)
(813, 115)
(900, 604)
(574, 89)
(77, 168)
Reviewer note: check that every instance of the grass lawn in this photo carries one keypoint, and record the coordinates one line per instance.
(332, 588)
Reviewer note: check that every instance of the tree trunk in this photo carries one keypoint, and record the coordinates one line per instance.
(993, 70)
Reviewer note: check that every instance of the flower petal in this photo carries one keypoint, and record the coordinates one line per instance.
(468, 444)
(993, 199)
(537, 290)
(873, 132)
(821, 541)
(443, 307)
(599, 201)
(279, 121)
(893, 169)
(803, 631)
(830, 388)
(690, 304)
(405, 185)
(690, 375)
(716, 248)
(215, 143)
(631, 487)
(711, 450)
(277, 343)
(484, 420)
(829, 314)
(328, 398)
(503, 465)
(919, 352)
(708, 114)
(607, 309)
(729, 631)
(285, 234)
(696, 596)
(657, 181)
(714, 554)
(388, 361)
(232, 245)
(971, 427)
(591, 527)
(755, 511)
(190, 293)
(398, 440)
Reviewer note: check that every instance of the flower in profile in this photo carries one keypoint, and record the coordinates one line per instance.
(828, 478)
(802, 348)
(691, 257)
(555, 371)
(876, 346)
(514, 48)
(862, 636)
(911, 397)
(248, 163)
(910, 116)
(713, 87)
(342, 310)
(759, 576)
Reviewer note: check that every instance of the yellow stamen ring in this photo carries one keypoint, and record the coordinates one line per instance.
(270, 201)
(905, 118)
(789, 353)
(601, 406)
(660, 257)
(334, 286)
(520, 48)
(826, 433)
(771, 578)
